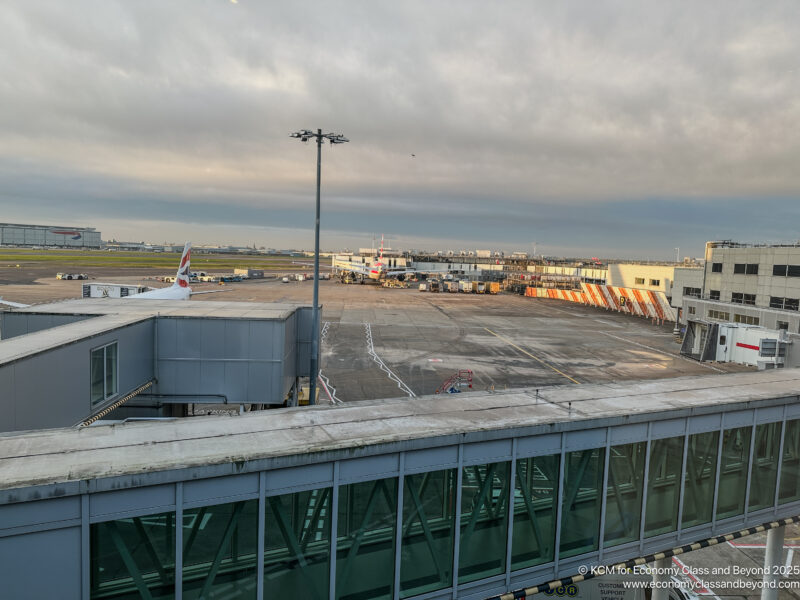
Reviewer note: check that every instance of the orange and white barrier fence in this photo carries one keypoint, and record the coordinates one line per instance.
(643, 303)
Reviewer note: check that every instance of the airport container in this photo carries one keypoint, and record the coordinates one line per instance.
(434, 285)
(493, 287)
(451, 286)
(465, 286)
(423, 287)
(111, 290)
(478, 287)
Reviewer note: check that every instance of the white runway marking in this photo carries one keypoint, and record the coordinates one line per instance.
(326, 384)
(371, 349)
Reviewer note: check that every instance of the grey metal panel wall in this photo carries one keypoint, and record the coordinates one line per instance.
(13, 324)
(236, 358)
(51, 389)
(303, 331)
(45, 564)
(290, 362)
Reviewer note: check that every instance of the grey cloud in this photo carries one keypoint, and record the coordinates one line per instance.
(513, 109)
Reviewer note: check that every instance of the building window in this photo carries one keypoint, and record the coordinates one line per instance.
(148, 545)
(749, 299)
(692, 310)
(745, 319)
(719, 315)
(745, 269)
(104, 373)
(779, 270)
(690, 291)
(713, 295)
(737, 298)
(639, 281)
(783, 325)
(655, 282)
(793, 270)
(785, 303)
(716, 267)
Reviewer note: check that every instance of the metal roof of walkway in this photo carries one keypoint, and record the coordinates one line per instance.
(463, 495)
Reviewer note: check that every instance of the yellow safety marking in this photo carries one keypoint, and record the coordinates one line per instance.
(526, 353)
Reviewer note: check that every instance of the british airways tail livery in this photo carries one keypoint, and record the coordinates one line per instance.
(179, 290)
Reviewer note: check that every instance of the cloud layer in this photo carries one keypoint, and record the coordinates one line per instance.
(581, 126)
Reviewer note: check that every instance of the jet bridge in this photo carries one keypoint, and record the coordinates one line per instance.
(433, 497)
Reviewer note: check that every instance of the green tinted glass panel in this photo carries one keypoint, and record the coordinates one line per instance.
(765, 466)
(535, 509)
(111, 370)
(733, 472)
(365, 540)
(663, 486)
(133, 558)
(790, 464)
(484, 521)
(426, 562)
(624, 493)
(297, 540)
(701, 474)
(219, 551)
(582, 501)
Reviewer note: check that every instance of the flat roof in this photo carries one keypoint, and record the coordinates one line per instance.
(112, 313)
(146, 449)
(172, 308)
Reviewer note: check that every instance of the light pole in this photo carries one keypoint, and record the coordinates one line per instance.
(334, 138)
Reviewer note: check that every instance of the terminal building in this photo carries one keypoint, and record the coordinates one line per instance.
(749, 284)
(12, 234)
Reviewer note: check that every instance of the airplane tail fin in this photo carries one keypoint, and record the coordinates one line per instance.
(182, 277)
(380, 257)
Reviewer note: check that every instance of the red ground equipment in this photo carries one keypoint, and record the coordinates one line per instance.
(455, 382)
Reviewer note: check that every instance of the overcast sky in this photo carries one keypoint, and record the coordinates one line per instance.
(589, 128)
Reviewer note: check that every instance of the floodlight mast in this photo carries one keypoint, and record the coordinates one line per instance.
(334, 138)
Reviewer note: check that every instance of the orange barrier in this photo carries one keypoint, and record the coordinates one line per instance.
(643, 303)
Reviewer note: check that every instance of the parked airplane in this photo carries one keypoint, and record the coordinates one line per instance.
(179, 290)
(376, 270)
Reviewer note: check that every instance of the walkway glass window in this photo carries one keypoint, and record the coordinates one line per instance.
(367, 524)
(790, 464)
(765, 466)
(429, 520)
(701, 474)
(663, 486)
(133, 558)
(624, 493)
(733, 472)
(103, 373)
(297, 539)
(581, 504)
(535, 510)
(484, 521)
(219, 551)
